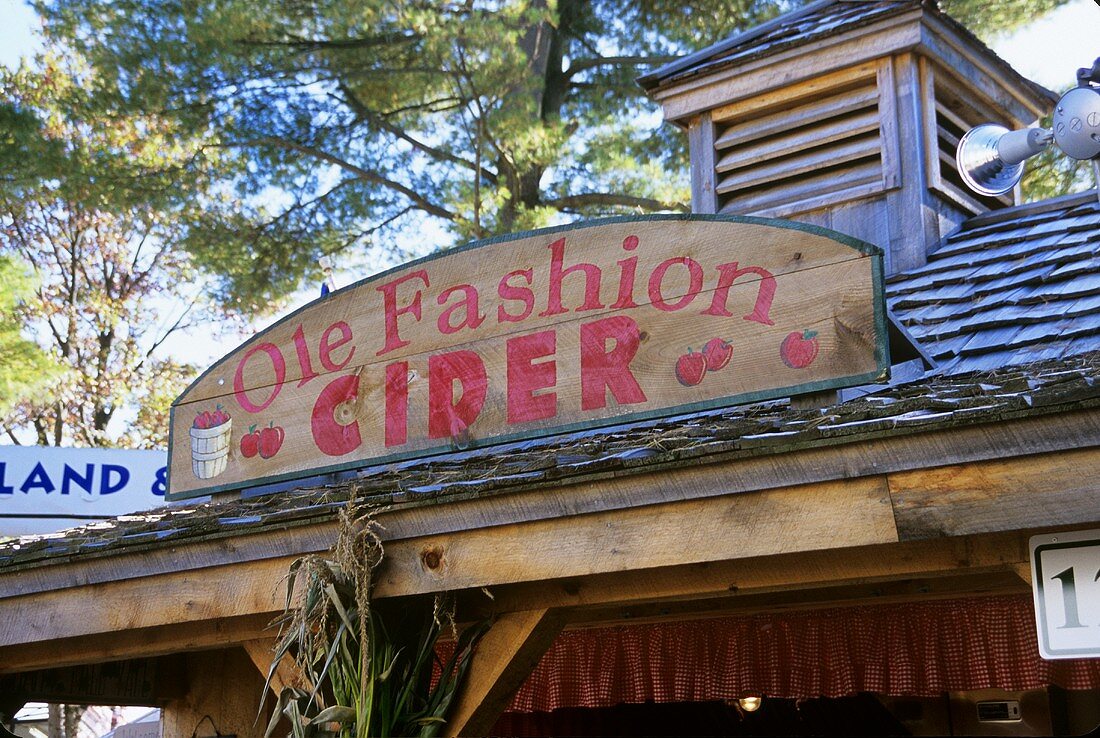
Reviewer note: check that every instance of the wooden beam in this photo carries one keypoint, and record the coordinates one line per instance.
(168, 557)
(1042, 439)
(776, 73)
(701, 144)
(913, 217)
(981, 74)
(127, 644)
(963, 499)
(286, 672)
(1014, 494)
(185, 597)
(807, 571)
(812, 517)
(133, 682)
(920, 589)
(888, 124)
(223, 698)
(505, 657)
(743, 469)
(703, 526)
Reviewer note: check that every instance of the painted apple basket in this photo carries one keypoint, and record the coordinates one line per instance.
(210, 449)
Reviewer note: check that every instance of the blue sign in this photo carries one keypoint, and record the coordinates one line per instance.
(45, 489)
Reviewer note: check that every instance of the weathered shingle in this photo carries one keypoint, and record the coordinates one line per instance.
(1012, 286)
(801, 26)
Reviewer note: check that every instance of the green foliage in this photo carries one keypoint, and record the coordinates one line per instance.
(368, 675)
(988, 19)
(26, 368)
(91, 203)
(341, 124)
(344, 126)
(1052, 173)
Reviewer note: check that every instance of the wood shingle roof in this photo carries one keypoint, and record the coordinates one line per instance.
(1012, 286)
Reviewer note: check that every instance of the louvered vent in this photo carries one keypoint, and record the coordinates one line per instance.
(782, 159)
(956, 112)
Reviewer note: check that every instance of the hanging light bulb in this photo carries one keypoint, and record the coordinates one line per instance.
(750, 704)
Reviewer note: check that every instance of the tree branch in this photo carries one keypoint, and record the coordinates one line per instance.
(612, 199)
(367, 114)
(382, 39)
(580, 65)
(421, 202)
(439, 105)
(174, 327)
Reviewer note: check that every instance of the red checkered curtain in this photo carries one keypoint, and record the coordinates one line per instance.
(910, 649)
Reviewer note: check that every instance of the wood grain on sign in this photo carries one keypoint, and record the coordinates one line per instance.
(534, 334)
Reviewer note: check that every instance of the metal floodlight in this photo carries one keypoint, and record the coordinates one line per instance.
(1077, 123)
(991, 157)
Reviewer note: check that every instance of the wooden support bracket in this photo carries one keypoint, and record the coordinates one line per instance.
(286, 674)
(505, 657)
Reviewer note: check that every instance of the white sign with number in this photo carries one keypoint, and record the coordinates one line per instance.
(1065, 575)
(45, 489)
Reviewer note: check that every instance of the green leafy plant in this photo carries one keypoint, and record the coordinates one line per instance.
(364, 679)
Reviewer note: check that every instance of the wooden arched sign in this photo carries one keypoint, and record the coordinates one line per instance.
(534, 334)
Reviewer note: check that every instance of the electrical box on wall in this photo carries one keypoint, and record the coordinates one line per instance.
(999, 711)
(990, 712)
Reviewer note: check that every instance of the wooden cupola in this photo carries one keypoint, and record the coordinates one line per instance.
(845, 114)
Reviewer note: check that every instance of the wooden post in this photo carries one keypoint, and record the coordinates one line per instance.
(704, 199)
(223, 697)
(914, 224)
(505, 657)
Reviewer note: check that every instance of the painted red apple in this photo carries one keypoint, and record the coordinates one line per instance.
(207, 419)
(250, 443)
(271, 440)
(691, 368)
(718, 354)
(799, 349)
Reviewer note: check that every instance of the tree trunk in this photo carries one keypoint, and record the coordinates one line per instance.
(53, 722)
(72, 717)
(545, 45)
(73, 713)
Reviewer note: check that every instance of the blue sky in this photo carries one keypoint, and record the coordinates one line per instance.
(1051, 49)
(16, 39)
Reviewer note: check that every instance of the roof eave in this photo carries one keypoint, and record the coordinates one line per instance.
(657, 77)
(671, 79)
